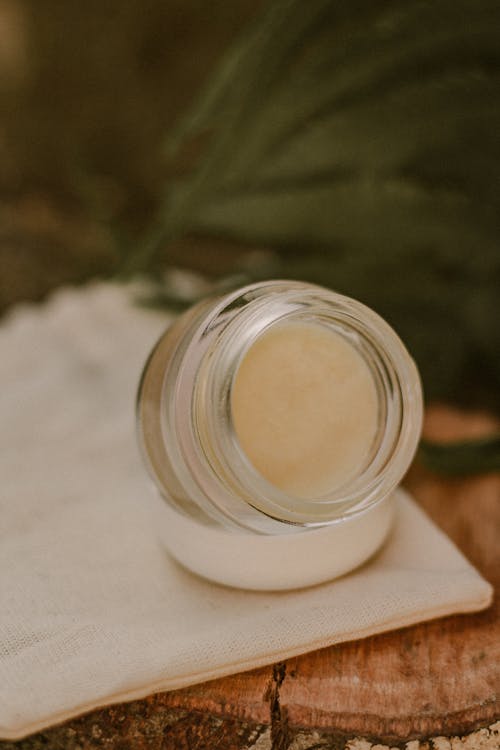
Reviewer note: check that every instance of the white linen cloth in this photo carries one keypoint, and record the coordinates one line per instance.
(92, 609)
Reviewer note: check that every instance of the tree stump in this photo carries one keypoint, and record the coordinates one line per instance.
(434, 686)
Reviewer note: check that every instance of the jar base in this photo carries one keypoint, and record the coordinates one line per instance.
(278, 562)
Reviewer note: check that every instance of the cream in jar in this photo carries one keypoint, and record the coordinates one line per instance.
(277, 421)
(304, 407)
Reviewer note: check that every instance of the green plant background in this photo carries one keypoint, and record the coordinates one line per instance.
(352, 144)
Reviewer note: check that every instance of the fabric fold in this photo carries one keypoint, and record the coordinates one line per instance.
(93, 610)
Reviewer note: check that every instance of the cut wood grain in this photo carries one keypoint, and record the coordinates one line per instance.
(435, 680)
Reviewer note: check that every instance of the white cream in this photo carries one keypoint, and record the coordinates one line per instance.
(305, 408)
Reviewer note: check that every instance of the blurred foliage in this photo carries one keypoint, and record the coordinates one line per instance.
(87, 92)
(356, 145)
(91, 90)
(462, 457)
(361, 142)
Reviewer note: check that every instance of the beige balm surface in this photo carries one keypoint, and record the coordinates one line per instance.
(277, 421)
(304, 407)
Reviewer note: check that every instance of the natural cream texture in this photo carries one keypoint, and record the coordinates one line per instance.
(304, 408)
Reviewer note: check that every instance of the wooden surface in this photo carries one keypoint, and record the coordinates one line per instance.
(438, 679)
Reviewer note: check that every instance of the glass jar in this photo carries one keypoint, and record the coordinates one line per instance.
(224, 519)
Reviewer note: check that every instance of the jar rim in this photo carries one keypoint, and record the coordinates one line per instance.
(206, 431)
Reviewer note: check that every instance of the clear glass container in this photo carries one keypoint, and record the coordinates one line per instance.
(214, 494)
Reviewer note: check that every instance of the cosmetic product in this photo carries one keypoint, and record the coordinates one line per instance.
(277, 422)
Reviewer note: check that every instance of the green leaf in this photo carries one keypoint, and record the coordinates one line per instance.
(361, 142)
(461, 458)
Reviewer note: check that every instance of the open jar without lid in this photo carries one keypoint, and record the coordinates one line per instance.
(277, 421)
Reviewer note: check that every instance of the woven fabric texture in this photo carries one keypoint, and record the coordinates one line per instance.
(92, 609)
